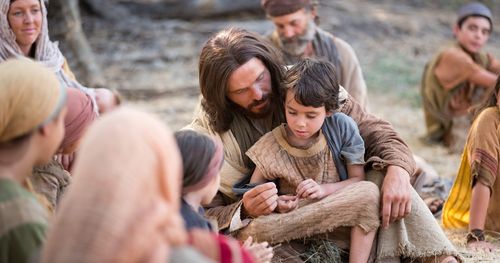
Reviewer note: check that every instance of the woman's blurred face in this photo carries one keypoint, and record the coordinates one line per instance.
(25, 20)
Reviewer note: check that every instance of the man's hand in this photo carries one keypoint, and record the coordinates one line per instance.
(261, 200)
(310, 189)
(287, 203)
(396, 195)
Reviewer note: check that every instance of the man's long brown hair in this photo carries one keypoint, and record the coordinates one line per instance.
(223, 53)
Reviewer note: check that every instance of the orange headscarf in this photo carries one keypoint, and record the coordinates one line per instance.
(79, 116)
(123, 204)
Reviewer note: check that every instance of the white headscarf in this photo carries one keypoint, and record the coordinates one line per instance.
(46, 52)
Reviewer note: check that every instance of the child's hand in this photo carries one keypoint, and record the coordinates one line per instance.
(310, 189)
(261, 252)
(287, 203)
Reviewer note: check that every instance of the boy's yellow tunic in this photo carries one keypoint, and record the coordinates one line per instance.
(480, 162)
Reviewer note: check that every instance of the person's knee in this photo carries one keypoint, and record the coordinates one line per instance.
(370, 192)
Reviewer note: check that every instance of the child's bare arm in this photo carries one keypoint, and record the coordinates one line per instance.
(483, 78)
(310, 189)
(356, 172)
(257, 177)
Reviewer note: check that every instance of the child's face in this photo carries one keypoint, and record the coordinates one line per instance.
(473, 34)
(211, 190)
(303, 121)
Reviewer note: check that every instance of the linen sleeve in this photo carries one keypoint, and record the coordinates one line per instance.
(223, 210)
(383, 145)
(484, 149)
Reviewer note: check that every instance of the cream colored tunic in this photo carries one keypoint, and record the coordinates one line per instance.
(277, 159)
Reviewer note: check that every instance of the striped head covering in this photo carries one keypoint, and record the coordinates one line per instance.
(30, 96)
(46, 51)
(124, 201)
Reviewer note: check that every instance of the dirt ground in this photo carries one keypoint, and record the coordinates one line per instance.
(154, 63)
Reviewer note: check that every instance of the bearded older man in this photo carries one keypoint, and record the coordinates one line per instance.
(297, 36)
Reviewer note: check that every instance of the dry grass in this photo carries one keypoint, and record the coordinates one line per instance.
(457, 237)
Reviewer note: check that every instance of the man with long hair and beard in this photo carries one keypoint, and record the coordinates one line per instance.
(240, 78)
(298, 36)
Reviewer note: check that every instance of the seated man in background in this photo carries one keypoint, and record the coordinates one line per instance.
(456, 78)
(298, 36)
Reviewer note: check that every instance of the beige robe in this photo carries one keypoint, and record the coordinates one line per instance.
(277, 159)
(51, 181)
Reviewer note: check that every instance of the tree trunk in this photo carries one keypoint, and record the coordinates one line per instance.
(66, 23)
(106, 10)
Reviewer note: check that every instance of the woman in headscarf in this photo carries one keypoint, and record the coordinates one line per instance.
(24, 33)
(51, 180)
(474, 199)
(124, 202)
(32, 109)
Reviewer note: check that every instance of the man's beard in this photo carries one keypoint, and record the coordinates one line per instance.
(296, 46)
(264, 112)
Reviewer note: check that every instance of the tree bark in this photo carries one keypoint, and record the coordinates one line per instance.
(106, 10)
(66, 24)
